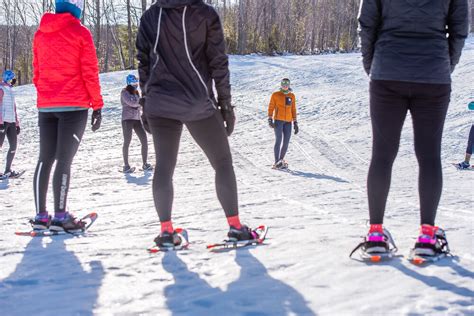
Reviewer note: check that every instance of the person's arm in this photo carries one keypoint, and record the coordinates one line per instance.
(90, 70)
(217, 58)
(369, 24)
(143, 44)
(293, 109)
(271, 106)
(1, 106)
(35, 62)
(458, 29)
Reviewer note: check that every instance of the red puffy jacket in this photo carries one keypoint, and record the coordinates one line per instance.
(65, 66)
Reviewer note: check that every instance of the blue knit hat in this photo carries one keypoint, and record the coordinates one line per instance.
(74, 7)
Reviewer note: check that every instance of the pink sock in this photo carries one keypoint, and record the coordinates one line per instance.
(234, 221)
(167, 227)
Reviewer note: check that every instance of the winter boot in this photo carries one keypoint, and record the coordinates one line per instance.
(244, 233)
(41, 221)
(168, 240)
(66, 223)
(431, 241)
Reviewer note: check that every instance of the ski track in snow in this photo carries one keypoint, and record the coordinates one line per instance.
(320, 203)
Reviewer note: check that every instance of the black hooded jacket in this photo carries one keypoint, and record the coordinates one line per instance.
(412, 40)
(181, 51)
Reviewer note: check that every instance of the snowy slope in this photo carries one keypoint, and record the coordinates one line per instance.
(321, 205)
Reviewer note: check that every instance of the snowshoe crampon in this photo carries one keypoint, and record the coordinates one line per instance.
(89, 219)
(434, 253)
(261, 232)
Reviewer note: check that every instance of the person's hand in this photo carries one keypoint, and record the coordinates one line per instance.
(96, 120)
(2, 128)
(18, 130)
(141, 101)
(146, 126)
(295, 123)
(228, 115)
(271, 123)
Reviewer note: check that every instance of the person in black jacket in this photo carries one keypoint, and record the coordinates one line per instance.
(181, 52)
(409, 49)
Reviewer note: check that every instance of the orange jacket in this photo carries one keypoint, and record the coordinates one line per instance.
(284, 106)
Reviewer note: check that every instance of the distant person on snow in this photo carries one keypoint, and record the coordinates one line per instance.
(281, 117)
(181, 52)
(131, 122)
(470, 146)
(409, 50)
(9, 124)
(66, 77)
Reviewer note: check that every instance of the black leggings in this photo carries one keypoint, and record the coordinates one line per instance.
(389, 103)
(470, 142)
(60, 136)
(211, 136)
(10, 132)
(128, 126)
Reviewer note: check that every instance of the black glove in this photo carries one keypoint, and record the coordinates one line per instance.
(2, 128)
(18, 130)
(270, 122)
(228, 115)
(146, 126)
(295, 123)
(96, 119)
(141, 101)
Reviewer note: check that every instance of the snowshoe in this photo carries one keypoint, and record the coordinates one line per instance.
(67, 223)
(147, 167)
(11, 175)
(127, 169)
(60, 226)
(377, 246)
(242, 237)
(166, 241)
(430, 246)
(463, 166)
(41, 222)
(280, 164)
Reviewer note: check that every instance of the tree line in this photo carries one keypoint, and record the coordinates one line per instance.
(250, 26)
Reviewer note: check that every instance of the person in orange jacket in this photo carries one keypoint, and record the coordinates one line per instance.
(281, 116)
(66, 77)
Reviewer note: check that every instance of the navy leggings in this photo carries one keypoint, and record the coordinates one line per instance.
(282, 132)
(10, 132)
(389, 103)
(470, 142)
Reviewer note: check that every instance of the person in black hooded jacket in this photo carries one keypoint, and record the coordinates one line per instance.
(181, 53)
(409, 49)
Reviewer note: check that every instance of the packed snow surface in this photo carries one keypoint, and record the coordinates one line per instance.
(316, 214)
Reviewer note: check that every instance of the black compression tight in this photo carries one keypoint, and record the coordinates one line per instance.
(389, 103)
(10, 133)
(128, 126)
(211, 136)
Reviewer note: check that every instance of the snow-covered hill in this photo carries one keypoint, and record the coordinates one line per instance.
(316, 215)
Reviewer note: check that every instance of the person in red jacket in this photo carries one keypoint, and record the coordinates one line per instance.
(66, 77)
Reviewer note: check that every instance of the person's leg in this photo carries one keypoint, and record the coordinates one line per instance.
(166, 137)
(278, 138)
(388, 109)
(140, 131)
(12, 140)
(286, 139)
(211, 136)
(429, 105)
(71, 128)
(48, 137)
(127, 138)
(470, 145)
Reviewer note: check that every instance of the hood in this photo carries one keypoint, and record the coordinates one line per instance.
(51, 22)
(171, 4)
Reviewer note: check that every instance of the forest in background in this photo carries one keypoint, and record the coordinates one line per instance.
(250, 26)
